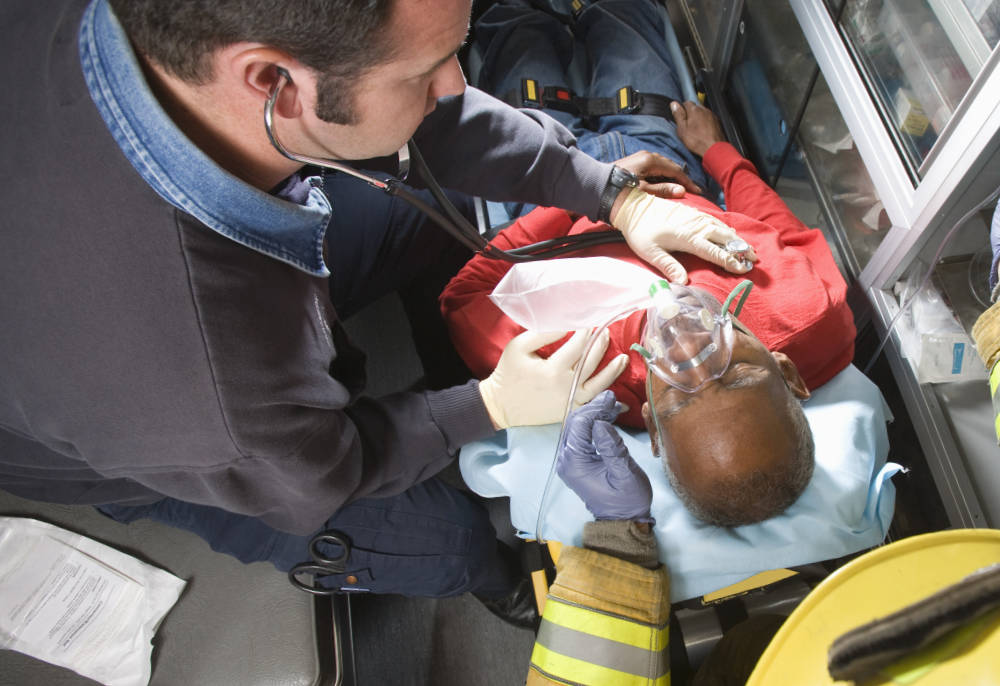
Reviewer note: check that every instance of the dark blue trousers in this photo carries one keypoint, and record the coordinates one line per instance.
(432, 540)
(610, 44)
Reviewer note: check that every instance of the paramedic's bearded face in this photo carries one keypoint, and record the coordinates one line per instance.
(731, 428)
(388, 102)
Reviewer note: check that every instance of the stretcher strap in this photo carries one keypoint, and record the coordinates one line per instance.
(626, 100)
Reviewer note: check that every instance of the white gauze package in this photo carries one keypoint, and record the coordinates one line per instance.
(80, 604)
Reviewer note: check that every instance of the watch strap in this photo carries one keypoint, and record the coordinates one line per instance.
(618, 180)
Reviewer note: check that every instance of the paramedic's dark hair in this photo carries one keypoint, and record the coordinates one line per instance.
(750, 498)
(339, 39)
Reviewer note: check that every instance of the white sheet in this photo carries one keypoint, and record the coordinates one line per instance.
(845, 508)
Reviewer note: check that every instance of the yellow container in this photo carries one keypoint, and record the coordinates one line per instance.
(880, 583)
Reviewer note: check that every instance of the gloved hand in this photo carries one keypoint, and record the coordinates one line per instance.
(526, 389)
(595, 463)
(652, 226)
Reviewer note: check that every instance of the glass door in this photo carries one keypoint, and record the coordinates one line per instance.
(919, 59)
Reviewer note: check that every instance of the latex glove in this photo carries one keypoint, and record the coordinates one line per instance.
(652, 226)
(595, 463)
(526, 389)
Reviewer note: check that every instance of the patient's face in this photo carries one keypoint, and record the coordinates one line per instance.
(735, 424)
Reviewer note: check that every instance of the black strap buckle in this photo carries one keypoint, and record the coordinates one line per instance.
(559, 98)
(531, 94)
(627, 100)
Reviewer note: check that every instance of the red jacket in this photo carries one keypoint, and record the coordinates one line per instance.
(797, 304)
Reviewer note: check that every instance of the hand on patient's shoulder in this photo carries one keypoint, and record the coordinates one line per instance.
(526, 389)
(697, 127)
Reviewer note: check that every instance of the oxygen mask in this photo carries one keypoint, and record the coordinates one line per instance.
(688, 337)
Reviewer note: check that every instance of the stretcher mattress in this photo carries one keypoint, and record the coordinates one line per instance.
(846, 507)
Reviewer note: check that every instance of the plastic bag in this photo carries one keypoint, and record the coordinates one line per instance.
(571, 293)
(80, 604)
(932, 338)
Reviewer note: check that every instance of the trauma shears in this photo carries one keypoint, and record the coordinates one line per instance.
(322, 565)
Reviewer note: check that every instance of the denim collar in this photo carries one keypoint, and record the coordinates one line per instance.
(180, 172)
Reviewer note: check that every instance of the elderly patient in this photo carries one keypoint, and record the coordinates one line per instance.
(737, 450)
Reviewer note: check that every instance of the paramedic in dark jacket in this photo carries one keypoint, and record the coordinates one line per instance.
(170, 344)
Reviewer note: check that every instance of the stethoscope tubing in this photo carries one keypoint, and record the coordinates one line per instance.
(450, 219)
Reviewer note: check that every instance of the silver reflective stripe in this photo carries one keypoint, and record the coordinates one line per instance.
(601, 651)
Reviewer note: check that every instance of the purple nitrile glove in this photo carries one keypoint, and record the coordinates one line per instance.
(595, 463)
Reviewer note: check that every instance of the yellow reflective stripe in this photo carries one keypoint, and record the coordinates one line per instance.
(531, 90)
(994, 378)
(618, 629)
(551, 663)
(622, 98)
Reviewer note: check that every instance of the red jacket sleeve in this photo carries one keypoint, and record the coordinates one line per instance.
(746, 192)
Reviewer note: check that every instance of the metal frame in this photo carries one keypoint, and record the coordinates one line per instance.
(335, 640)
(915, 212)
(712, 81)
(877, 150)
(731, 25)
(703, 58)
(963, 31)
(943, 455)
(722, 50)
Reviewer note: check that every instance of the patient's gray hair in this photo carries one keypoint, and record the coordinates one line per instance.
(750, 498)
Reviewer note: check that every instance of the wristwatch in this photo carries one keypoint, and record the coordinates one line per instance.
(619, 179)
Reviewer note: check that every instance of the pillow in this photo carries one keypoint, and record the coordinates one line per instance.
(846, 507)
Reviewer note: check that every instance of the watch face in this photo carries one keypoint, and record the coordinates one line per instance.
(624, 177)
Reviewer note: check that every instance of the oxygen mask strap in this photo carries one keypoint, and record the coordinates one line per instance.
(745, 285)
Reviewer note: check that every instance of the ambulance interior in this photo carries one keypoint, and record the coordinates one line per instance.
(876, 121)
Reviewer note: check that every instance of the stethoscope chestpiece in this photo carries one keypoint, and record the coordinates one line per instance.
(739, 249)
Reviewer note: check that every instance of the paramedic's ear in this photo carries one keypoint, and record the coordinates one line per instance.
(654, 436)
(792, 377)
(257, 66)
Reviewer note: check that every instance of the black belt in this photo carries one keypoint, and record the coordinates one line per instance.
(626, 101)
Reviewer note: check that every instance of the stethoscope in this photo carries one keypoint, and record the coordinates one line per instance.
(449, 218)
